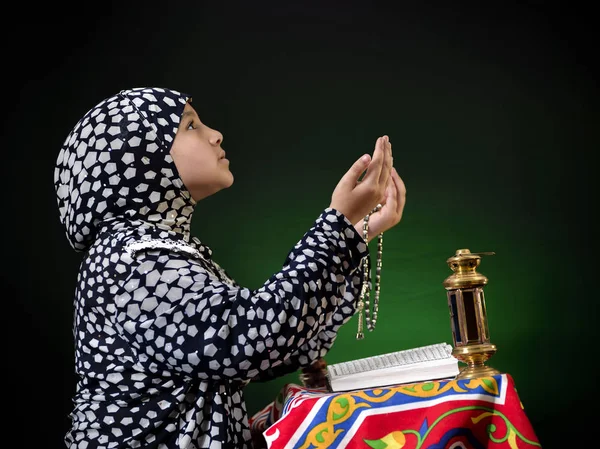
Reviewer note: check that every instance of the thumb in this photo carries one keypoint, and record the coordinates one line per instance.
(352, 175)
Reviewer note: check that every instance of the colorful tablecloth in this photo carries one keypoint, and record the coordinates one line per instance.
(446, 414)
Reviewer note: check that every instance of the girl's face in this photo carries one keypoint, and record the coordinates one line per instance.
(198, 156)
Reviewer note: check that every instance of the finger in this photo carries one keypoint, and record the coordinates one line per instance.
(389, 200)
(393, 198)
(400, 192)
(388, 194)
(387, 163)
(374, 170)
(350, 179)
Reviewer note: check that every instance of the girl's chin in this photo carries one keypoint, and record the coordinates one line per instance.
(231, 179)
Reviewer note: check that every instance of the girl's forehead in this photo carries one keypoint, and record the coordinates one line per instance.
(189, 112)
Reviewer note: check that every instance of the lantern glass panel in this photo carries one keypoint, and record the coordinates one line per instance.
(486, 336)
(471, 315)
(454, 317)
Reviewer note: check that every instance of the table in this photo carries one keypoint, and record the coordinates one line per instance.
(475, 413)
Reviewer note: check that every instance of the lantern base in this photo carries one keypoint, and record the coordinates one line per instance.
(472, 372)
(475, 357)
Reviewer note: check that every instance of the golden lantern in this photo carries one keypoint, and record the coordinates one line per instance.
(466, 301)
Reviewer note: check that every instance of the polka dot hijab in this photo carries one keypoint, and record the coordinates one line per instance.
(115, 166)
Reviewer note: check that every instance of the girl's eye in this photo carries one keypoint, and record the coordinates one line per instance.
(191, 125)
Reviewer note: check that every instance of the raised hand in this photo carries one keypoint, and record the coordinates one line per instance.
(356, 199)
(392, 208)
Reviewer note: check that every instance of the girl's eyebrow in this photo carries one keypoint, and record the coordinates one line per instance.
(186, 113)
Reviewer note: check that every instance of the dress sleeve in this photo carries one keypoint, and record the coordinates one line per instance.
(177, 317)
(322, 342)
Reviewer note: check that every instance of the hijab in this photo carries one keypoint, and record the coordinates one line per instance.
(114, 168)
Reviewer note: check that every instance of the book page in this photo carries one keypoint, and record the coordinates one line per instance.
(394, 359)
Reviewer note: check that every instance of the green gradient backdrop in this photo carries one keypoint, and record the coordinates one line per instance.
(490, 114)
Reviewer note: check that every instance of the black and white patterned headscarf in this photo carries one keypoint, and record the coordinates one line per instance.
(165, 340)
(115, 164)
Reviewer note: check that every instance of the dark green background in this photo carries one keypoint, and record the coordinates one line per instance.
(492, 113)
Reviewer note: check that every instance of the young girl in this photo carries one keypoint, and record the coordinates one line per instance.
(165, 340)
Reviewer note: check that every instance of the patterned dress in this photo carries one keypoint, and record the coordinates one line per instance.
(165, 340)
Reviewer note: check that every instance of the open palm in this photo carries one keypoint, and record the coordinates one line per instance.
(391, 211)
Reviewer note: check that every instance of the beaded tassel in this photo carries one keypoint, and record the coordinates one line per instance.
(365, 293)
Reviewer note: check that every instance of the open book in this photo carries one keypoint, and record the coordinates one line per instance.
(411, 365)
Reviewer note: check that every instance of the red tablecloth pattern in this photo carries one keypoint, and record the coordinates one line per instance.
(444, 414)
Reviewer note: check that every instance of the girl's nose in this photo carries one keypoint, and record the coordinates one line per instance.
(216, 138)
